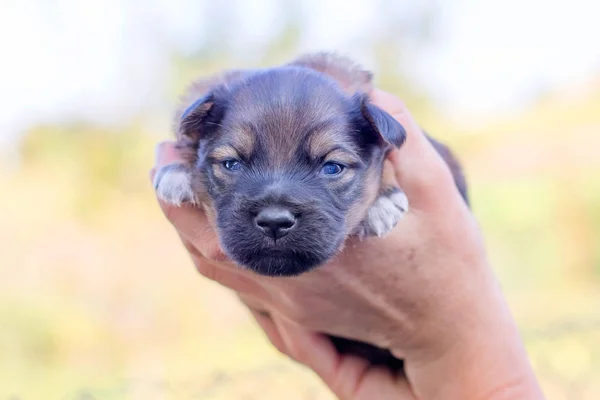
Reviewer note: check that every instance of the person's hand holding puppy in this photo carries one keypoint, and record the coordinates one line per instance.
(425, 291)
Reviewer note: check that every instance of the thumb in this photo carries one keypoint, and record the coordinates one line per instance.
(419, 170)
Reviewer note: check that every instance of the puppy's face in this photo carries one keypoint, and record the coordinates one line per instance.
(290, 164)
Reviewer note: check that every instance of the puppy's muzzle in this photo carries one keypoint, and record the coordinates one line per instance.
(275, 221)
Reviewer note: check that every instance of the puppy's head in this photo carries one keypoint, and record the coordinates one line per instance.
(290, 164)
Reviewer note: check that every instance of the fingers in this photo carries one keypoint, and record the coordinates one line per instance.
(348, 377)
(228, 276)
(268, 326)
(421, 172)
(193, 225)
(311, 349)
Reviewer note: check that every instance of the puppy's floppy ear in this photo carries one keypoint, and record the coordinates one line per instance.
(201, 117)
(390, 132)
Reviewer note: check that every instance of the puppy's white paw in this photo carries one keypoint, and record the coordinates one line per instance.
(384, 214)
(398, 197)
(173, 184)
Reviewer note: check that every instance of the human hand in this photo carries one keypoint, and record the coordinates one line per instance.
(425, 291)
(349, 377)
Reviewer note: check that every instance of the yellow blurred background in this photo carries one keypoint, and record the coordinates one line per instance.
(98, 299)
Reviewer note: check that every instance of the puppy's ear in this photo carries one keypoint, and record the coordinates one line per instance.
(390, 132)
(203, 104)
(174, 183)
(200, 117)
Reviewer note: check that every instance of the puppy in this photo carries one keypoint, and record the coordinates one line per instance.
(287, 163)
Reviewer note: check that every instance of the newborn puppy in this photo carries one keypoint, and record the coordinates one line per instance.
(287, 162)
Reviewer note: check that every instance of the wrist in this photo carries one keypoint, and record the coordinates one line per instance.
(478, 371)
(486, 361)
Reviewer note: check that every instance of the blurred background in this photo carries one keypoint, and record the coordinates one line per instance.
(98, 299)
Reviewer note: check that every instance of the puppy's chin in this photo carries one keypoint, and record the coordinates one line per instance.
(284, 258)
(286, 263)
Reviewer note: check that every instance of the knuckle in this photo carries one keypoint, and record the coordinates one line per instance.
(206, 269)
(215, 253)
(194, 253)
(215, 274)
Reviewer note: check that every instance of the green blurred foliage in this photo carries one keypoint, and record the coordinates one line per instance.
(98, 299)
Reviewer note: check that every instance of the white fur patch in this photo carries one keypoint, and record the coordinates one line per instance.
(400, 200)
(173, 185)
(384, 214)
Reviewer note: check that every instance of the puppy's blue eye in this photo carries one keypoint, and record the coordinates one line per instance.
(331, 168)
(232, 165)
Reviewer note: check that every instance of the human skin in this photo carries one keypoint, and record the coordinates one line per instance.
(425, 291)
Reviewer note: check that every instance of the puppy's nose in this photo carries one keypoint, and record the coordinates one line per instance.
(275, 222)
